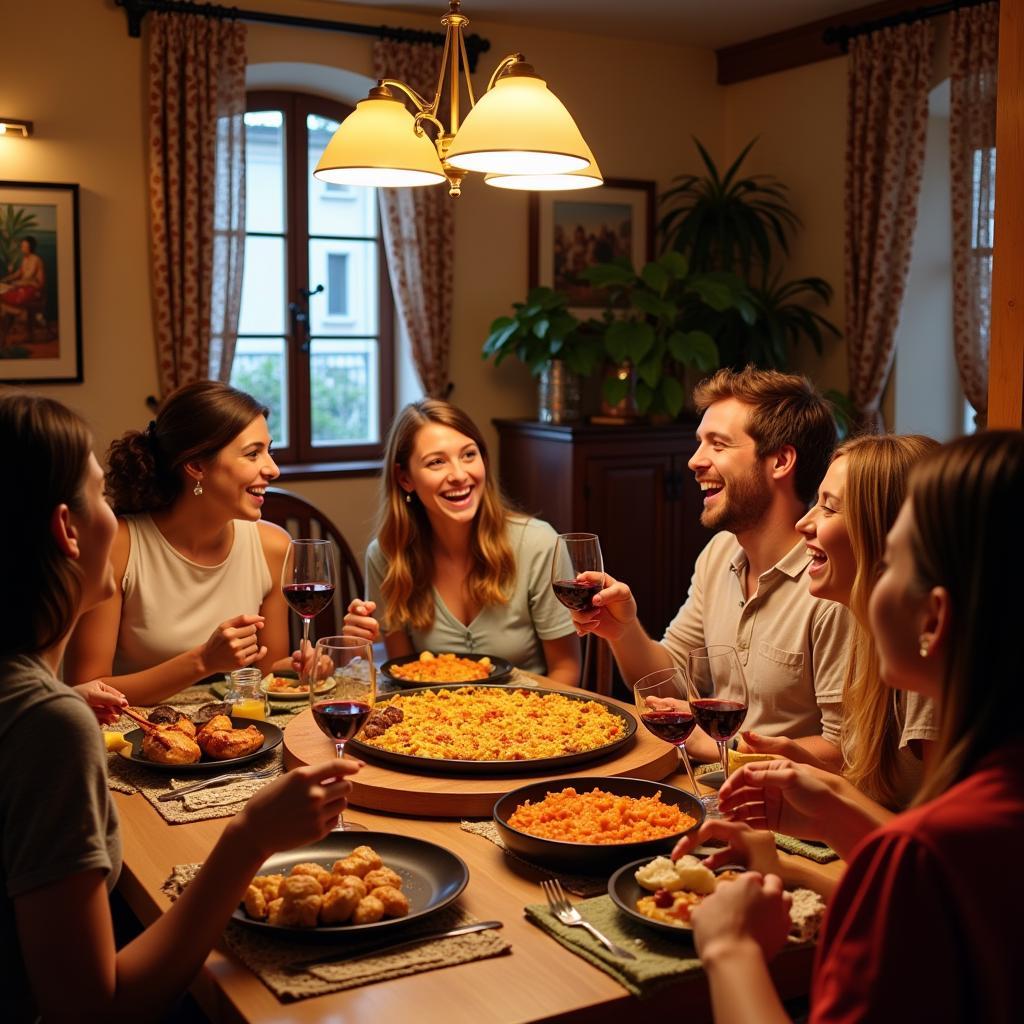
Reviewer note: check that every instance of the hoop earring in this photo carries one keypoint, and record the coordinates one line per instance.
(198, 489)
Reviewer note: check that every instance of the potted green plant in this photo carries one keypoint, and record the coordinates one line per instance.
(553, 343)
(741, 223)
(652, 323)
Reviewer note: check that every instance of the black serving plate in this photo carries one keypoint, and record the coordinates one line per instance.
(501, 670)
(591, 858)
(272, 736)
(440, 766)
(625, 890)
(432, 877)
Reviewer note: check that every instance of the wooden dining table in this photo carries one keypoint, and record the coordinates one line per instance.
(539, 980)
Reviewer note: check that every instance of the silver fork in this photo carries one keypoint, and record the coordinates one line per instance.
(568, 914)
(216, 781)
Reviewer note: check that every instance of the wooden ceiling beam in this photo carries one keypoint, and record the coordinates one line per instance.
(795, 47)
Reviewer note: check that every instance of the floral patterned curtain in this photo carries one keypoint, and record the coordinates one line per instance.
(887, 116)
(972, 155)
(419, 233)
(196, 89)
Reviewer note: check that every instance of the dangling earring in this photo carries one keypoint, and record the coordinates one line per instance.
(408, 497)
(198, 489)
(924, 644)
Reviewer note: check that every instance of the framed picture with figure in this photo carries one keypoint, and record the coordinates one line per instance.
(40, 305)
(570, 231)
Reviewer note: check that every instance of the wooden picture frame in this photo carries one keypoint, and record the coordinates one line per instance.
(40, 298)
(572, 230)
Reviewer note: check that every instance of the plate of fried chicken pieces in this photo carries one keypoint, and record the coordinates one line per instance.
(168, 739)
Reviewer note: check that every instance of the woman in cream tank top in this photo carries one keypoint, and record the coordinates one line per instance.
(197, 569)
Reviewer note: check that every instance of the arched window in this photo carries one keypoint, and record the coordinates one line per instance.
(315, 328)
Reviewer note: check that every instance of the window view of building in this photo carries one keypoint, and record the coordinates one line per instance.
(314, 341)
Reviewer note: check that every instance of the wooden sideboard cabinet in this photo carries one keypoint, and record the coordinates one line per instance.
(629, 485)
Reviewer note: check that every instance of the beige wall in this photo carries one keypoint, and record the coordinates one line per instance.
(81, 82)
(799, 117)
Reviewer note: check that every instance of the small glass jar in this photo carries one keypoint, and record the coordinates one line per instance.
(245, 694)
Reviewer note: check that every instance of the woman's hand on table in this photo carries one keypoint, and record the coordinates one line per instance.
(359, 621)
(233, 644)
(754, 850)
(753, 907)
(612, 609)
(106, 701)
(300, 807)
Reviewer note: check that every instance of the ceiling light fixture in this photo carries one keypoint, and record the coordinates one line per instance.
(518, 134)
(12, 126)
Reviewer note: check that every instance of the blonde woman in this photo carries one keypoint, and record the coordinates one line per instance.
(885, 733)
(453, 568)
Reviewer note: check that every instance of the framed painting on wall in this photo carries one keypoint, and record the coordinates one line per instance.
(40, 306)
(570, 231)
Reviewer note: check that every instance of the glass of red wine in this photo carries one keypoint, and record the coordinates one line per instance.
(307, 579)
(342, 690)
(576, 553)
(662, 702)
(719, 697)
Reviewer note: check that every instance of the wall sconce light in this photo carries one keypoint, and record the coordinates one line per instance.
(12, 126)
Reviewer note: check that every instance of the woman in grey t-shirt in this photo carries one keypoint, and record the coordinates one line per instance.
(452, 567)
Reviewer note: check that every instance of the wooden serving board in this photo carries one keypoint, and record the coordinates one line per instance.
(382, 788)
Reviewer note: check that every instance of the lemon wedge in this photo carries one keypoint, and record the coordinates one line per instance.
(115, 741)
(737, 760)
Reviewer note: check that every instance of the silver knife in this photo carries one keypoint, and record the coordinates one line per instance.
(174, 794)
(391, 947)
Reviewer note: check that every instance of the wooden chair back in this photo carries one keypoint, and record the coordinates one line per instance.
(303, 519)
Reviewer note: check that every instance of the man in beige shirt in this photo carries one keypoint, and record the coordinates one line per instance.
(765, 441)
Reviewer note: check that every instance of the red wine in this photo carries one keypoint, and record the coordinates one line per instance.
(720, 719)
(671, 726)
(340, 719)
(575, 594)
(308, 599)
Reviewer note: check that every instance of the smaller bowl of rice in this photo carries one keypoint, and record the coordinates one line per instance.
(594, 824)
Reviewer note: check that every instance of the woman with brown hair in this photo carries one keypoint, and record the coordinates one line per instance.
(198, 572)
(911, 933)
(60, 852)
(884, 733)
(453, 568)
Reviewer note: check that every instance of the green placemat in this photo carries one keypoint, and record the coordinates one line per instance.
(660, 960)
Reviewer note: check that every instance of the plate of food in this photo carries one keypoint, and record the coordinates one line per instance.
(660, 894)
(491, 730)
(357, 884)
(168, 740)
(593, 824)
(429, 669)
(286, 686)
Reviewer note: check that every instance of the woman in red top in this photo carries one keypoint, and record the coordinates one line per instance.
(919, 928)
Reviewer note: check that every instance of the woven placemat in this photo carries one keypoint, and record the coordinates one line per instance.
(269, 957)
(578, 885)
(660, 959)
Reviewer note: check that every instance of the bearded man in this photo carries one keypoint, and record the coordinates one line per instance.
(765, 441)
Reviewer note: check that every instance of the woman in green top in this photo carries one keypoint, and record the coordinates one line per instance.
(453, 568)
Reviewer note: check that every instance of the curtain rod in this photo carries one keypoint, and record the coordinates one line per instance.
(842, 34)
(137, 9)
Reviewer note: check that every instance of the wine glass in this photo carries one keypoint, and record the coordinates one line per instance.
(307, 580)
(342, 689)
(719, 697)
(576, 553)
(662, 699)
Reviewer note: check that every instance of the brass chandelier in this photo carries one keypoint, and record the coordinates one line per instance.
(518, 134)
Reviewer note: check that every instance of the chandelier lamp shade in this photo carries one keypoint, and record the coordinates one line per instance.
(518, 134)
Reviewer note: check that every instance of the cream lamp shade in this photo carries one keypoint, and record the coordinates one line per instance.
(377, 145)
(521, 108)
(588, 177)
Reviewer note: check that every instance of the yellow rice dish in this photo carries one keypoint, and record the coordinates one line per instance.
(443, 668)
(478, 724)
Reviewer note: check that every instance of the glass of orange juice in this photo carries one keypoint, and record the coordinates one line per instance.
(245, 694)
